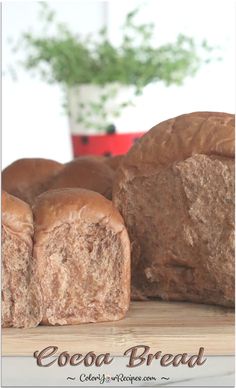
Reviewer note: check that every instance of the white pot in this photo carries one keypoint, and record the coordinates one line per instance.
(93, 108)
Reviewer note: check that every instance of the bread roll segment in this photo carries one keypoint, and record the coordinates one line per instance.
(86, 173)
(83, 257)
(21, 297)
(27, 178)
(175, 191)
(114, 161)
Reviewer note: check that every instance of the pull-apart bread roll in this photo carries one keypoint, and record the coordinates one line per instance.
(86, 173)
(175, 191)
(82, 252)
(27, 178)
(114, 161)
(21, 297)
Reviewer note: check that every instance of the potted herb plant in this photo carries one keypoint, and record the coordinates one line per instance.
(101, 80)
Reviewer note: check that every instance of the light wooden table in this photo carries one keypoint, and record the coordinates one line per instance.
(170, 327)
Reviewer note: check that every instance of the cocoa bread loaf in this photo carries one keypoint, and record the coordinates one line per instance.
(21, 296)
(27, 178)
(97, 158)
(86, 173)
(114, 161)
(175, 190)
(82, 252)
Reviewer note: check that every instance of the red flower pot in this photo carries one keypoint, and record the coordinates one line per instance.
(109, 144)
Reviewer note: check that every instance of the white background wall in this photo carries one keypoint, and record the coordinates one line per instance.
(34, 124)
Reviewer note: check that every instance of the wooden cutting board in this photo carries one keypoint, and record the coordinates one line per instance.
(167, 326)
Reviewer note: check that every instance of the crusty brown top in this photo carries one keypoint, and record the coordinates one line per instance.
(97, 158)
(85, 172)
(26, 172)
(17, 217)
(209, 133)
(55, 207)
(111, 161)
(114, 161)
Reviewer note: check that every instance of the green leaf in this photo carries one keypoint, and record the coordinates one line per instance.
(68, 59)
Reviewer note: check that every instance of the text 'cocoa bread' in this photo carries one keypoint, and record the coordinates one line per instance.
(175, 191)
(21, 296)
(82, 252)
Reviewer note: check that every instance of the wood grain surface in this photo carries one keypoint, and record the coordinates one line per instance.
(167, 326)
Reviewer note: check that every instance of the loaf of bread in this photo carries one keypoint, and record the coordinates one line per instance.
(82, 252)
(86, 173)
(114, 161)
(27, 178)
(175, 190)
(21, 296)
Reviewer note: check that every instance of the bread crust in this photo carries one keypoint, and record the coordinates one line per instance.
(17, 217)
(176, 139)
(114, 161)
(26, 178)
(86, 173)
(51, 209)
